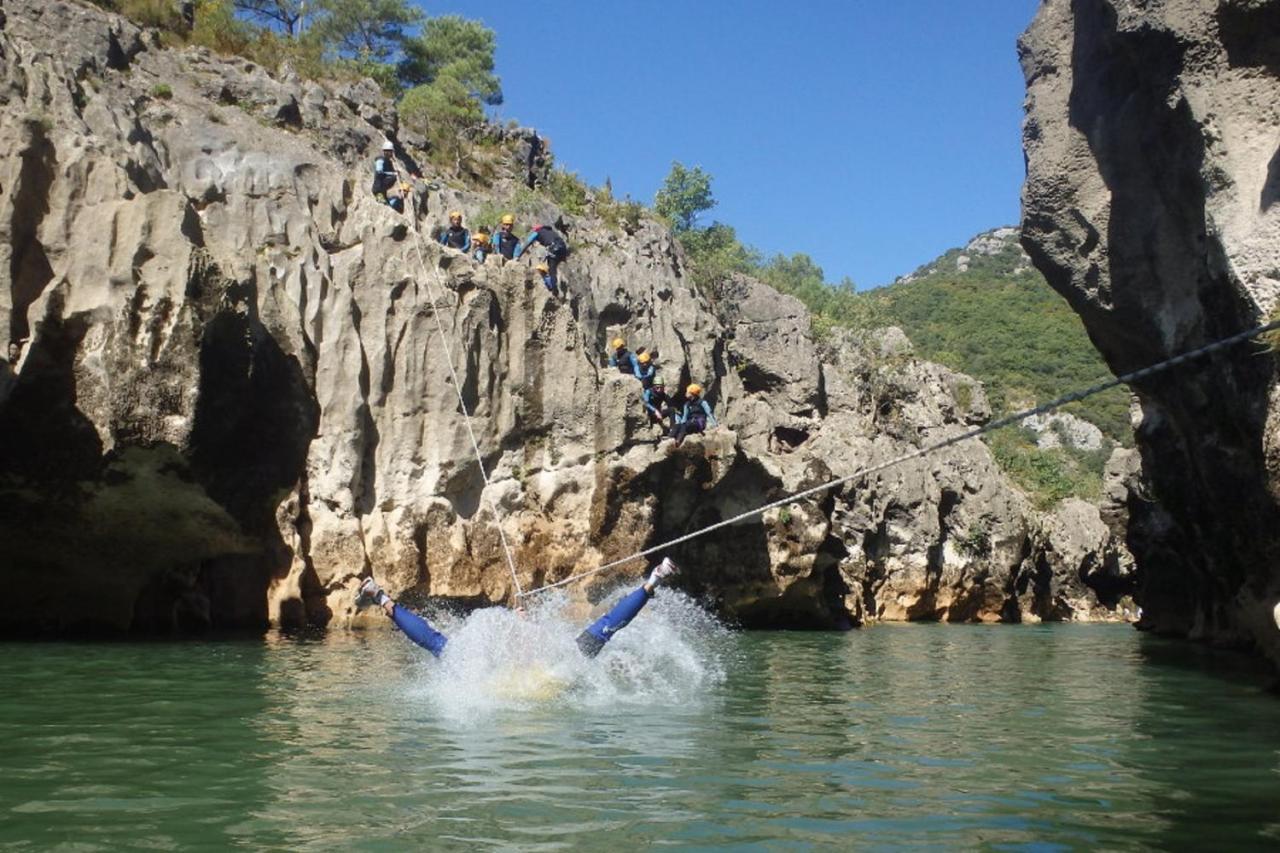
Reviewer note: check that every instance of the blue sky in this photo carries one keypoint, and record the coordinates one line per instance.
(871, 135)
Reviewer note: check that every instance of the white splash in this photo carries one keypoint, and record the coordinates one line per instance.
(496, 659)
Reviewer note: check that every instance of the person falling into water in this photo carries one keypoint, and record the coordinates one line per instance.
(591, 641)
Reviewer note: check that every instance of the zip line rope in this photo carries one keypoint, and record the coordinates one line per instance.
(457, 386)
(1073, 397)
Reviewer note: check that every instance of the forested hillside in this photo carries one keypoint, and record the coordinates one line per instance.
(986, 311)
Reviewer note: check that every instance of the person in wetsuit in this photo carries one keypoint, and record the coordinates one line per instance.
(694, 416)
(505, 241)
(386, 179)
(455, 236)
(622, 357)
(591, 641)
(556, 251)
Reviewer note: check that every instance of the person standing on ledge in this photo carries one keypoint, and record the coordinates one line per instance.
(386, 179)
(505, 242)
(455, 236)
(591, 641)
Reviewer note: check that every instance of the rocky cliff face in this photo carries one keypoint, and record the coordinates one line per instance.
(1153, 149)
(225, 395)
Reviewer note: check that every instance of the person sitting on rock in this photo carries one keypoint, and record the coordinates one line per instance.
(455, 236)
(386, 179)
(505, 242)
(657, 405)
(557, 251)
(622, 358)
(591, 641)
(694, 416)
(480, 246)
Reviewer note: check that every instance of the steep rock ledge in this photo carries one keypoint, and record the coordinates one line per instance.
(1152, 140)
(225, 397)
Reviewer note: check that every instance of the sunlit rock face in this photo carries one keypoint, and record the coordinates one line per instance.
(1153, 149)
(227, 394)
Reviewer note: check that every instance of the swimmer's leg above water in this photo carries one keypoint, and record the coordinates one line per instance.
(590, 641)
(414, 626)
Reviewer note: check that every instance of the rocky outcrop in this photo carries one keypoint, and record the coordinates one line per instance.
(227, 393)
(1150, 204)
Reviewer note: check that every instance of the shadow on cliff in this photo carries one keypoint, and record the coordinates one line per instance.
(29, 269)
(689, 497)
(254, 420)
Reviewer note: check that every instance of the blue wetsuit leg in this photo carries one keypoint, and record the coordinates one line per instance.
(419, 630)
(592, 640)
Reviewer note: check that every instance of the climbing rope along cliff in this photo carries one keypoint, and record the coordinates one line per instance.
(466, 415)
(1007, 420)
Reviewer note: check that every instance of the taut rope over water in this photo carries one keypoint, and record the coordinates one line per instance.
(1073, 397)
(466, 415)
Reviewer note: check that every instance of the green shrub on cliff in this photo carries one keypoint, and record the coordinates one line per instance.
(1048, 476)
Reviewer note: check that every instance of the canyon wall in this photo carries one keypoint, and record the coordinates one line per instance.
(1153, 153)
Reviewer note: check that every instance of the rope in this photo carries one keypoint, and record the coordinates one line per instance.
(1126, 379)
(457, 387)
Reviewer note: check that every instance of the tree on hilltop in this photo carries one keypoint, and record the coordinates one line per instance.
(365, 30)
(685, 193)
(453, 48)
(285, 14)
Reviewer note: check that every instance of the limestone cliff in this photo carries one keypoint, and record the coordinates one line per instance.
(225, 397)
(1153, 148)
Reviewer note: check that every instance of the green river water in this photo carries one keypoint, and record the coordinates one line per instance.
(680, 734)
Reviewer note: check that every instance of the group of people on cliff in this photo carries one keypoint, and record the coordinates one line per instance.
(390, 188)
(503, 242)
(677, 416)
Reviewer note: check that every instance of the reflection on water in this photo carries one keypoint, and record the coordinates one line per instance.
(680, 732)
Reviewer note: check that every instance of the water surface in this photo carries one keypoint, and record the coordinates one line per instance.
(681, 733)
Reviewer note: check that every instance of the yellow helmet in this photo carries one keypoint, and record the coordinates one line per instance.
(455, 214)
(508, 219)
(618, 343)
(482, 237)
(543, 268)
(643, 357)
(693, 390)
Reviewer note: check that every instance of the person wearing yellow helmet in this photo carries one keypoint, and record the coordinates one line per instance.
(505, 241)
(455, 236)
(622, 357)
(694, 416)
(481, 246)
(646, 365)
